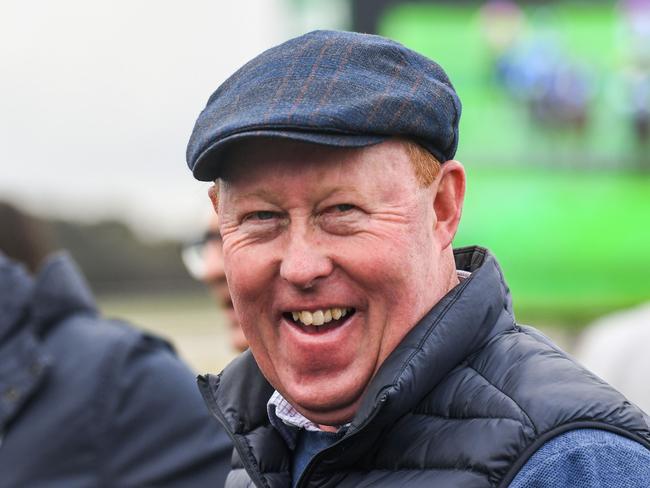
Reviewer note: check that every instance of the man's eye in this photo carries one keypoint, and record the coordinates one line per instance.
(343, 207)
(261, 215)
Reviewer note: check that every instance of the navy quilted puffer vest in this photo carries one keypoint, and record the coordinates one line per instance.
(463, 401)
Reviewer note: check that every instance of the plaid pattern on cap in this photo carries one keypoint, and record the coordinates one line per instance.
(334, 88)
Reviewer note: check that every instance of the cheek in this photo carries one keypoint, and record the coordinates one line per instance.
(383, 276)
(380, 261)
(249, 278)
(397, 276)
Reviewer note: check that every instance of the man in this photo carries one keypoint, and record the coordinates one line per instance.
(204, 261)
(378, 355)
(86, 401)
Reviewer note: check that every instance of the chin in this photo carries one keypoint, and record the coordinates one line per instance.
(332, 408)
(333, 418)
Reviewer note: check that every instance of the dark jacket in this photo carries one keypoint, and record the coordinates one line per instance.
(89, 402)
(463, 401)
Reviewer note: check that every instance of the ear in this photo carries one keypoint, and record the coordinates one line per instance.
(448, 203)
(213, 193)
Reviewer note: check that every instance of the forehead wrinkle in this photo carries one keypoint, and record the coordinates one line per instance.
(259, 193)
(297, 166)
(285, 178)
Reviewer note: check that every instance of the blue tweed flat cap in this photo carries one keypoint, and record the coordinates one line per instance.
(333, 88)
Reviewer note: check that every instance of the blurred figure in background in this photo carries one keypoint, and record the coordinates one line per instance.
(533, 67)
(87, 401)
(204, 261)
(636, 75)
(503, 25)
(22, 238)
(615, 347)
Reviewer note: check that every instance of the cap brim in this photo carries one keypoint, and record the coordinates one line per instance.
(207, 167)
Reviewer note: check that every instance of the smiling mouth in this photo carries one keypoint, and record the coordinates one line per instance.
(319, 320)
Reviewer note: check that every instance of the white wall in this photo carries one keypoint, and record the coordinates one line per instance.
(97, 100)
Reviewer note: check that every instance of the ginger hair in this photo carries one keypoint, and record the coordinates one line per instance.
(425, 164)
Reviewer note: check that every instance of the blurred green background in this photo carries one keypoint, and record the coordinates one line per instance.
(566, 212)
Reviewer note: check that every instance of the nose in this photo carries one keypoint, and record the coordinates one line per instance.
(304, 261)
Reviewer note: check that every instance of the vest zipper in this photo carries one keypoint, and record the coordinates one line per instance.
(241, 448)
(302, 482)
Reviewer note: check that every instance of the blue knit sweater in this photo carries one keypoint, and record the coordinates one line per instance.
(586, 458)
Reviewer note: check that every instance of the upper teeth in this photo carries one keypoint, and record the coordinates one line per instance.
(320, 317)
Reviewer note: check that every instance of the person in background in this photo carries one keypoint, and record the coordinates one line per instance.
(615, 347)
(86, 401)
(634, 94)
(204, 261)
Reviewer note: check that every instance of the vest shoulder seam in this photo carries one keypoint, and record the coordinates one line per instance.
(466, 469)
(471, 417)
(524, 413)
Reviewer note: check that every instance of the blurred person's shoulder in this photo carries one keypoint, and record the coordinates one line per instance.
(64, 315)
(103, 399)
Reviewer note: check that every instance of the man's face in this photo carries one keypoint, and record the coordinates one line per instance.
(317, 232)
(215, 279)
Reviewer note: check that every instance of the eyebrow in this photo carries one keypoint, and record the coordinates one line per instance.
(260, 193)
